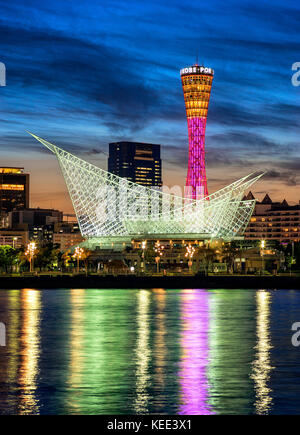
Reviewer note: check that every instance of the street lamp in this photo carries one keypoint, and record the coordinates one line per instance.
(31, 248)
(190, 251)
(292, 260)
(78, 254)
(14, 240)
(158, 248)
(144, 245)
(262, 247)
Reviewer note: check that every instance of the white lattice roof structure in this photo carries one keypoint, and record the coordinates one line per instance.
(111, 208)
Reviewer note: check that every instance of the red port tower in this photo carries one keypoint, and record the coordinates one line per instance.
(196, 83)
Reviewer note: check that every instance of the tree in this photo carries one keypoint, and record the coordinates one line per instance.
(66, 258)
(207, 256)
(8, 257)
(46, 256)
(85, 258)
(229, 252)
(82, 254)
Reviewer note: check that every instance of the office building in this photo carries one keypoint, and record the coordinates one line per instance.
(137, 162)
(14, 190)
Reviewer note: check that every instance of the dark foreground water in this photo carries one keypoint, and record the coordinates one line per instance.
(149, 351)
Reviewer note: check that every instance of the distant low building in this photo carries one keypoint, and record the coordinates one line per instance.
(38, 222)
(66, 235)
(14, 238)
(276, 221)
(255, 260)
(34, 217)
(66, 227)
(67, 240)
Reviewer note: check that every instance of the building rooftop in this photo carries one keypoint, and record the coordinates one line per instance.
(267, 200)
(11, 170)
(274, 205)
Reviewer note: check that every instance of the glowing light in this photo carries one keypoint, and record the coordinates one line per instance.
(11, 187)
(196, 90)
(31, 247)
(30, 252)
(77, 297)
(190, 251)
(194, 358)
(78, 255)
(262, 366)
(160, 346)
(159, 250)
(142, 353)
(30, 345)
(13, 342)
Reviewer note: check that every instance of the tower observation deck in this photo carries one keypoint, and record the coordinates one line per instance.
(196, 84)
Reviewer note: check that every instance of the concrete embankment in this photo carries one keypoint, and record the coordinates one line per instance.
(170, 282)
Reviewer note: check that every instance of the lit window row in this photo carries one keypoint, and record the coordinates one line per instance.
(196, 104)
(196, 112)
(197, 80)
(11, 187)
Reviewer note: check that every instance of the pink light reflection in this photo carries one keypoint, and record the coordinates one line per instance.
(194, 359)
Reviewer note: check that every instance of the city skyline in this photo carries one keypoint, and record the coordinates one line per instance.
(84, 80)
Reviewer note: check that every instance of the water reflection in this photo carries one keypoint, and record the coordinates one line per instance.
(30, 351)
(13, 342)
(231, 343)
(194, 357)
(76, 347)
(146, 351)
(262, 366)
(160, 344)
(142, 352)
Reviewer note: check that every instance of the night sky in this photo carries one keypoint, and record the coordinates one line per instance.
(85, 73)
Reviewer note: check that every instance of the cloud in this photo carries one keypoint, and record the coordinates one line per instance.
(264, 116)
(284, 177)
(83, 74)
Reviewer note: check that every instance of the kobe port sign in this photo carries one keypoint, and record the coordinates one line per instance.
(196, 70)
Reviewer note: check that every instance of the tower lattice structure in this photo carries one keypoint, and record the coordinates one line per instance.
(196, 84)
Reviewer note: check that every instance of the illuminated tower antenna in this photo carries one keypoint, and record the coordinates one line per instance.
(196, 83)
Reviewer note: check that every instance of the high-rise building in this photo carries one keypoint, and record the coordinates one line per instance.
(136, 161)
(196, 83)
(14, 189)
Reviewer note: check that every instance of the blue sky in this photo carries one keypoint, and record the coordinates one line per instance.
(85, 73)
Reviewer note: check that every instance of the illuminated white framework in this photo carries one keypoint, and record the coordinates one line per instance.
(110, 208)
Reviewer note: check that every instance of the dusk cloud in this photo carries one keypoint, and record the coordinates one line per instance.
(84, 73)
